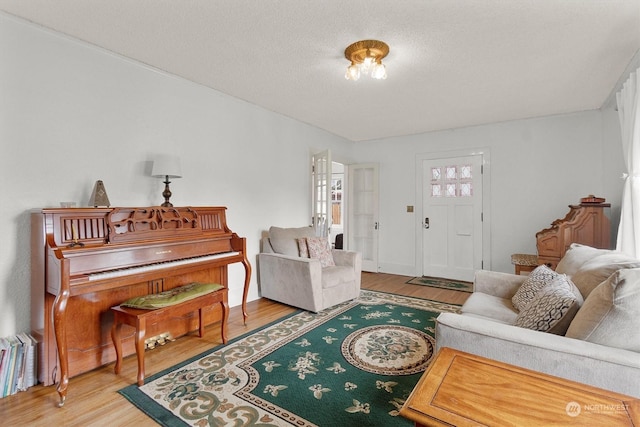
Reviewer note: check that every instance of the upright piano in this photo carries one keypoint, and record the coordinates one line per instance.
(86, 260)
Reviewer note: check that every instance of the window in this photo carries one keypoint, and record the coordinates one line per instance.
(452, 181)
(336, 199)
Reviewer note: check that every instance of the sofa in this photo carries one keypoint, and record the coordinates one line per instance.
(580, 322)
(299, 269)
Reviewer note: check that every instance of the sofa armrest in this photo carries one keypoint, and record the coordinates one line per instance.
(292, 280)
(265, 246)
(345, 258)
(605, 367)
(502, 285)
(351, 259)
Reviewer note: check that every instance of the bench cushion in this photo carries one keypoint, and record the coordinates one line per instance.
(172, 296)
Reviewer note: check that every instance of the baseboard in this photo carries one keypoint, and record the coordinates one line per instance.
(402, 270)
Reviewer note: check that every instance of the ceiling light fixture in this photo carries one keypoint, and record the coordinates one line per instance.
(366, 58)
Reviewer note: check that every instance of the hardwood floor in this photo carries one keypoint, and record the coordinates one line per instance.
(92, 398)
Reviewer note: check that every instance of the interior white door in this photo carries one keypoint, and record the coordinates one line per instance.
(452, 217)
(362, 208)
(322, 192)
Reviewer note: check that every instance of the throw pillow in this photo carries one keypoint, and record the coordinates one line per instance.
(552, 309)
(598, 269)
(303, 248)
(540, 277)
(172, 296)
(575, 257)
(319, 248)
(610, 315)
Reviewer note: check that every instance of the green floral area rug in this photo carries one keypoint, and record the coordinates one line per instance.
(351, 365)
(436, 282)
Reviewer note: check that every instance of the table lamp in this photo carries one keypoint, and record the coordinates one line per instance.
(166, 167)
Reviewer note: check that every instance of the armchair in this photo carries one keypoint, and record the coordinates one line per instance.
(301, 281)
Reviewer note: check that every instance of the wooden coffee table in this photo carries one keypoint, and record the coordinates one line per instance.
(463, 389)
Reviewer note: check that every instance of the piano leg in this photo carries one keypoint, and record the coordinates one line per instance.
(59, 326)
(141, 330)
(245, 293)
(225, 319)
(117, 344)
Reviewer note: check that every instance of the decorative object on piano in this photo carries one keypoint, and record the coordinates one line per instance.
(73, 288)
(67, 204)
(99, 196)
(166, 167)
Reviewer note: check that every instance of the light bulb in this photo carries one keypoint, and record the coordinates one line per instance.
(379, 72)
(353, 72)
(366, 65)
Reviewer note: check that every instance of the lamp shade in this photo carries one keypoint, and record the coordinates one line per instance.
(165, 165)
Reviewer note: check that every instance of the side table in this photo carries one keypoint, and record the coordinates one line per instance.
(524, 263)
(462, 389)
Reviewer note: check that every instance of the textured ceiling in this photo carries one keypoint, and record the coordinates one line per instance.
(453, 63)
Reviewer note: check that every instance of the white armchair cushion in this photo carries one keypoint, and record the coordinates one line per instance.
(284, 240)
(336, 276)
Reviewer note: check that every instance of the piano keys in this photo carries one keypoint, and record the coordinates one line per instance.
(86, 260)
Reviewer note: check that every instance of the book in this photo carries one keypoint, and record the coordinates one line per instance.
(17, 363)
(29, 362)
(17, 367)
(4, 363)
(10, 375)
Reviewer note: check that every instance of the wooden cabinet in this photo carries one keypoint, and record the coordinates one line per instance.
(586, 223)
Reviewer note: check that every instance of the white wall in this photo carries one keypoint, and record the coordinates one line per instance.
(73, 114)
(538, 167)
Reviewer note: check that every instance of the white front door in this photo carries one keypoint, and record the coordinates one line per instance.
(452, 217)
(322, 193)
(362, 208)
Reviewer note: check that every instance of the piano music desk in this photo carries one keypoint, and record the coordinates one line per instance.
(139, 318)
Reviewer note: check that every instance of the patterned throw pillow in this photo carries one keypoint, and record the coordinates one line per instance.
(303, 248)
(538, 279)
(319, 248)
(552, 308)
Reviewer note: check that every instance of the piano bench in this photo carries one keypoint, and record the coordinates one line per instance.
(139, 318)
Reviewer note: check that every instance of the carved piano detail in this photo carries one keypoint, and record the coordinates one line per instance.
(585, 223)
(86, 260)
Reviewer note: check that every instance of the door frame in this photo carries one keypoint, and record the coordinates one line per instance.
(370, 265)
(485, 152)
(316, 198)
